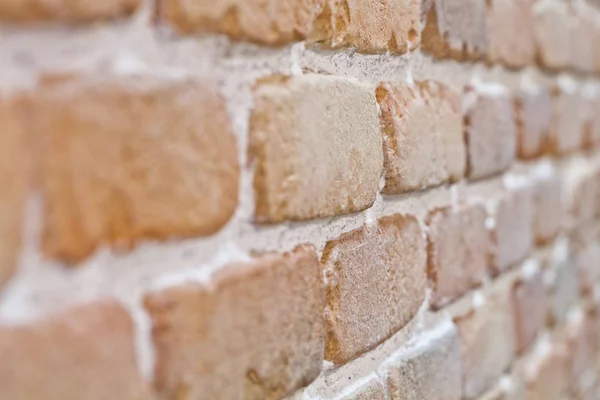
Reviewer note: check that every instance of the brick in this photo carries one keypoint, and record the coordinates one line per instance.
(65, 11)
(13, 181)
(581, 186)
(116, 169)
(370, 26)
(569, 118)
(511, 37)
(376, 282)
(371, 389)
(547, 371)
(529, 302)
(510, 387)
(256, 332)
(585, 244)
(487, 339)
(428, 369)
(83, 353)
(511, 211)
(422, 135)
(533, 116)
(581, 335)
(271, 22)
(585, 36)
(490, 129)
(301, 119)
(547, 204)
(592, 133)
(458, 250)
(564, 281)
(456, 28)
(553, 33)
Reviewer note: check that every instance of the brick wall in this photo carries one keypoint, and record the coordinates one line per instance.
(300, 199)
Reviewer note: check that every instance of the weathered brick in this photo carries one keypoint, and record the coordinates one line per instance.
(553, 33)
(547, 370)
(422, 135)
(490, 128)
(370, 26)
(272, 22)
(569, 118)
(456, 28)
(487, 339)
(13, 181)
(376, 282)
(301, 119)
(458, 250)
(429, 368)
(547, 205)
(533, 115)
(529, 302)
(66, 11)
(512, 234)
(371, 389)
(257, 331)
(511, 38)
(124, 159)
(84, 353)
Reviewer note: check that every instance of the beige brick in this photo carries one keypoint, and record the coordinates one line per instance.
(66, 11)
(13, 181)
(487, 339)
(298, 120)
(458, 250)
(376, 282)
(569, 119)
(512, 233)
(422, 135)
(83, 353)
(490, 128)
(553, 33)
(256, 332)
(533, 114)
(272, 22)
(511, 38)
(456, 28)
(547, 204)
(547, 371)
(429, 368)
(530, 307)
(585, 36)
(370, 26)
(126, 159)
(371, 389)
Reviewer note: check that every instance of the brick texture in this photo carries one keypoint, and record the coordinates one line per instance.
(66, 11)
(376, 282)
(552, 33)
(371, 389)
(256, 333)
(530, 305)
(533, 117)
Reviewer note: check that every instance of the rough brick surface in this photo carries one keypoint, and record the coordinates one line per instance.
(256, 332)
(13, 181)
(124, 160)
(427, 369)
(370, 26)
(422, 135)
(529, 302)
(456, 28)
(298, 120)
(272, 22)
(458, 250)
(533, 116)
(490, 130)
(68, 11)
(376, 282)
(552, 33)
(83, 353)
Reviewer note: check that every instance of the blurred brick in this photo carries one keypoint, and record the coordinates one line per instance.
(547, 371)
(553, 33)
(529, 301)
(533, 114)
(569, 118)
(564, 281)
(371, 389)
(65, 11)
(547, 204)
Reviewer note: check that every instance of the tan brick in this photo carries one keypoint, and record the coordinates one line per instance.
(533, 114)
(547, 371)
(487, 339)
(529, 302)
(125, 159)
(298, 120)
(255, 333)
(490, 128)
(512, 233)
(458, 250)
(429, 368)
(456, 28)
(370, 26)
(13, 181)
(553, 33)
(66, 11)
(272, 22)
(376, 282)
(422, 135)
(84, 353)
(511, 38)
(547, 204)
(569, 118)
(371, 389)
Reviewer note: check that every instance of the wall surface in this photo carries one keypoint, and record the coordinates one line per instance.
(300, 199)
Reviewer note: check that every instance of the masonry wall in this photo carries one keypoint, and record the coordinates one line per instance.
(299, 199)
